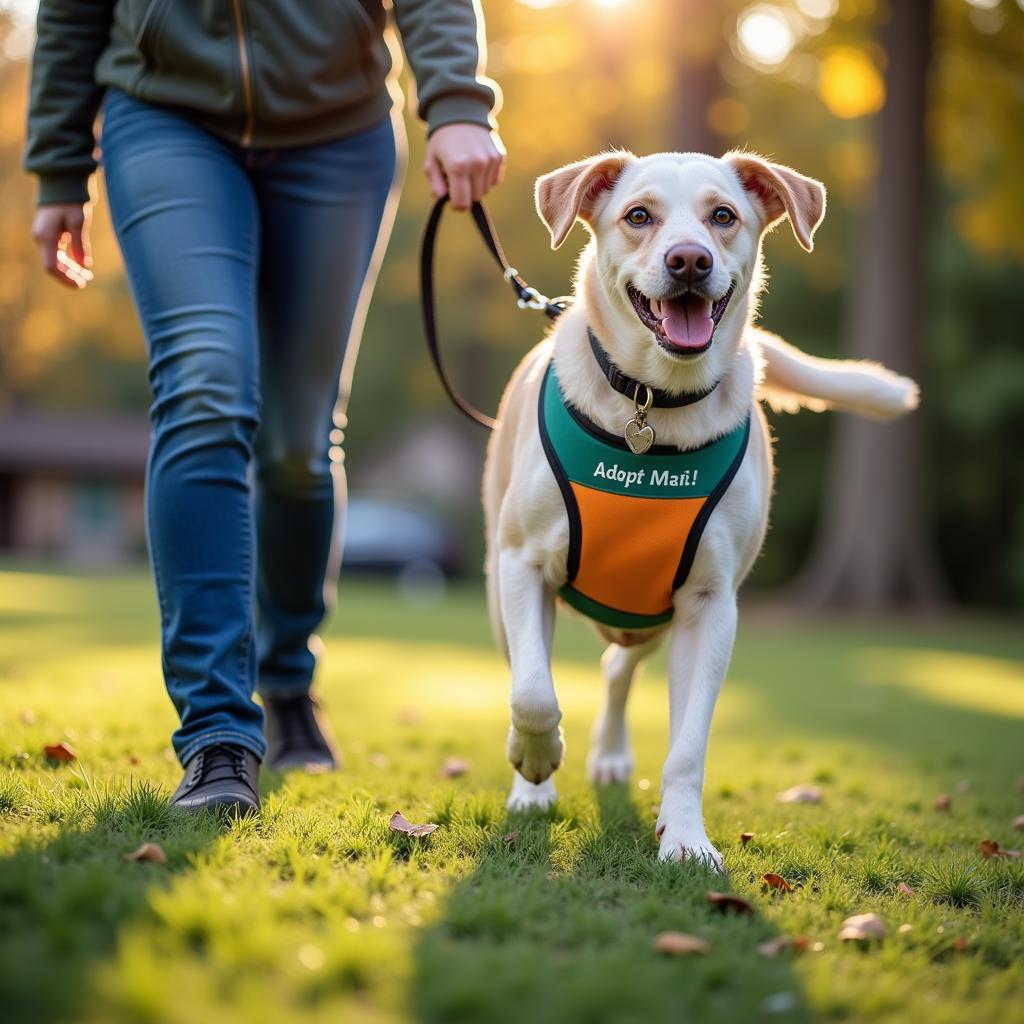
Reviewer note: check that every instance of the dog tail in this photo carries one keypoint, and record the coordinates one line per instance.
(793, 380)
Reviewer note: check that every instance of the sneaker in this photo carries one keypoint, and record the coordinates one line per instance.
(298, 735)
(222, 775)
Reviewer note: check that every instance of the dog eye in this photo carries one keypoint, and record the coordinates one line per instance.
(723, 216)
(638, 216)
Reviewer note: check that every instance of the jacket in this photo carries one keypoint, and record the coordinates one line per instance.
(256, 72)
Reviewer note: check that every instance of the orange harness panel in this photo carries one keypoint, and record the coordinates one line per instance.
(634, 520)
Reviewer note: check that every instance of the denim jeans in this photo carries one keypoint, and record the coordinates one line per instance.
(251, 271)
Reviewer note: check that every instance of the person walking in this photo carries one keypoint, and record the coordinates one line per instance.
(252, 153)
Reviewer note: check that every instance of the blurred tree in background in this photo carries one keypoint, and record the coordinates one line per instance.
(806, 82)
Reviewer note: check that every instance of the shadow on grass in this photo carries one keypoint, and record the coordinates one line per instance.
(64, 902)
(555, 926)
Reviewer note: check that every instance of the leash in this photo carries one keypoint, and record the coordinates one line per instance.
(526, 297)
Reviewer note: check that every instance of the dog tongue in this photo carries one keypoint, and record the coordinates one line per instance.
(687, 321)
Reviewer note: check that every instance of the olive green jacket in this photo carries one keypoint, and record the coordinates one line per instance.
(257, 72)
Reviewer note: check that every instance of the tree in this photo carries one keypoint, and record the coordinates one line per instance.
(874, 550)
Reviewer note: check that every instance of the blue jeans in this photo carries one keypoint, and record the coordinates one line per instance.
(251, 271)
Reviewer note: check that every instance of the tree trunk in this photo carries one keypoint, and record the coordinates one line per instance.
(874, 550)
(697, 78)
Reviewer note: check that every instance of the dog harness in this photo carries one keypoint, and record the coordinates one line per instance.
(634, 520)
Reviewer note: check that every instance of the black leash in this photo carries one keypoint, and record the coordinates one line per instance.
(527, 297)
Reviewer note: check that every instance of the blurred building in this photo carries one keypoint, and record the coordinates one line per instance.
(71, 487)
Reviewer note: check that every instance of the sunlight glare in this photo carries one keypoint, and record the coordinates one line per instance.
(765, 34)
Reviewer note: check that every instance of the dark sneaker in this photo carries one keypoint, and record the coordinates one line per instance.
(298, 735)
(222, 775)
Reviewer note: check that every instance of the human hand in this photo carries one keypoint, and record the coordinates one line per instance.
(61, 231)
(464, 161)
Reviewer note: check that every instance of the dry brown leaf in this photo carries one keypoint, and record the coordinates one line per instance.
(904, 890)
(510, 838)
(774, 881)
(680, 944)
(454, 767)
(153, 853)
(862, 928)
(726, 901)
(1018, 822)
(802, 794)
(943, 802)
(745, 837)
(773, 947)
(399, 823)
(59, 752)
(990, 848)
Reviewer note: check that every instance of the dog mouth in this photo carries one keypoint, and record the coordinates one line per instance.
(683, 325)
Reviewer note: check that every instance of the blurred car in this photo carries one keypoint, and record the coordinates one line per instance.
(394, 537)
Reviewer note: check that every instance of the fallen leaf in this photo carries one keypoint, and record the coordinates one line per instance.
(745, 837)
(904, 890)
(680, 944)
(510, 838)
(726, 901)
(1018, 822)
(862, 928)
(802, 794)
(399, 823)
(454, 767)
(943, 802)
(59, 752)
(151, 852)
(773, 947)
(774, 881)
(990, 848)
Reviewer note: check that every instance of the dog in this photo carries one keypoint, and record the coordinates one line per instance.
(652, 381)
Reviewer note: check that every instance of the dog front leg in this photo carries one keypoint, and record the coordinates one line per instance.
(699, 652)
(535, 738)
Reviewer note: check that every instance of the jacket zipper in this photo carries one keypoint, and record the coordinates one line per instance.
(243, 61)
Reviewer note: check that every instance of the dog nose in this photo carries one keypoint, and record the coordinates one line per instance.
(689, 263)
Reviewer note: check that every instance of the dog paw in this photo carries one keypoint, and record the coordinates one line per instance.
(527, 796)
(535, 755)
(606, 767)
(688, 845)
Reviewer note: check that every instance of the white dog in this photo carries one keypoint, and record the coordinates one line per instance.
(631, 471)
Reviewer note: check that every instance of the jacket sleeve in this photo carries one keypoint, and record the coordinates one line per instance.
(445, 43)
(64, 96)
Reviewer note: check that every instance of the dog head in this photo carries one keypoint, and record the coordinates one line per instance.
(677, 239)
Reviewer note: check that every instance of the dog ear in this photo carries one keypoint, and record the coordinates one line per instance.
(574, 190)
(781, 191)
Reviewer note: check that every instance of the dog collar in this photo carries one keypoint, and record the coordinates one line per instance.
(626, 385)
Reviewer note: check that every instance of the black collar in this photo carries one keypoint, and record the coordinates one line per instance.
(626, 385)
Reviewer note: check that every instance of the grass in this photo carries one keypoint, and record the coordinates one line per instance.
(315, 911)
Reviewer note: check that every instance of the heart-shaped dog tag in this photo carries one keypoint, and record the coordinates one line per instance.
(639, 437)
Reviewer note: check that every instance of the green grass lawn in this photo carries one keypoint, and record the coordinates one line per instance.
(316, 911)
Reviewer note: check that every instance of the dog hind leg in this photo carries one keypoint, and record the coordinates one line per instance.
(610, 759)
